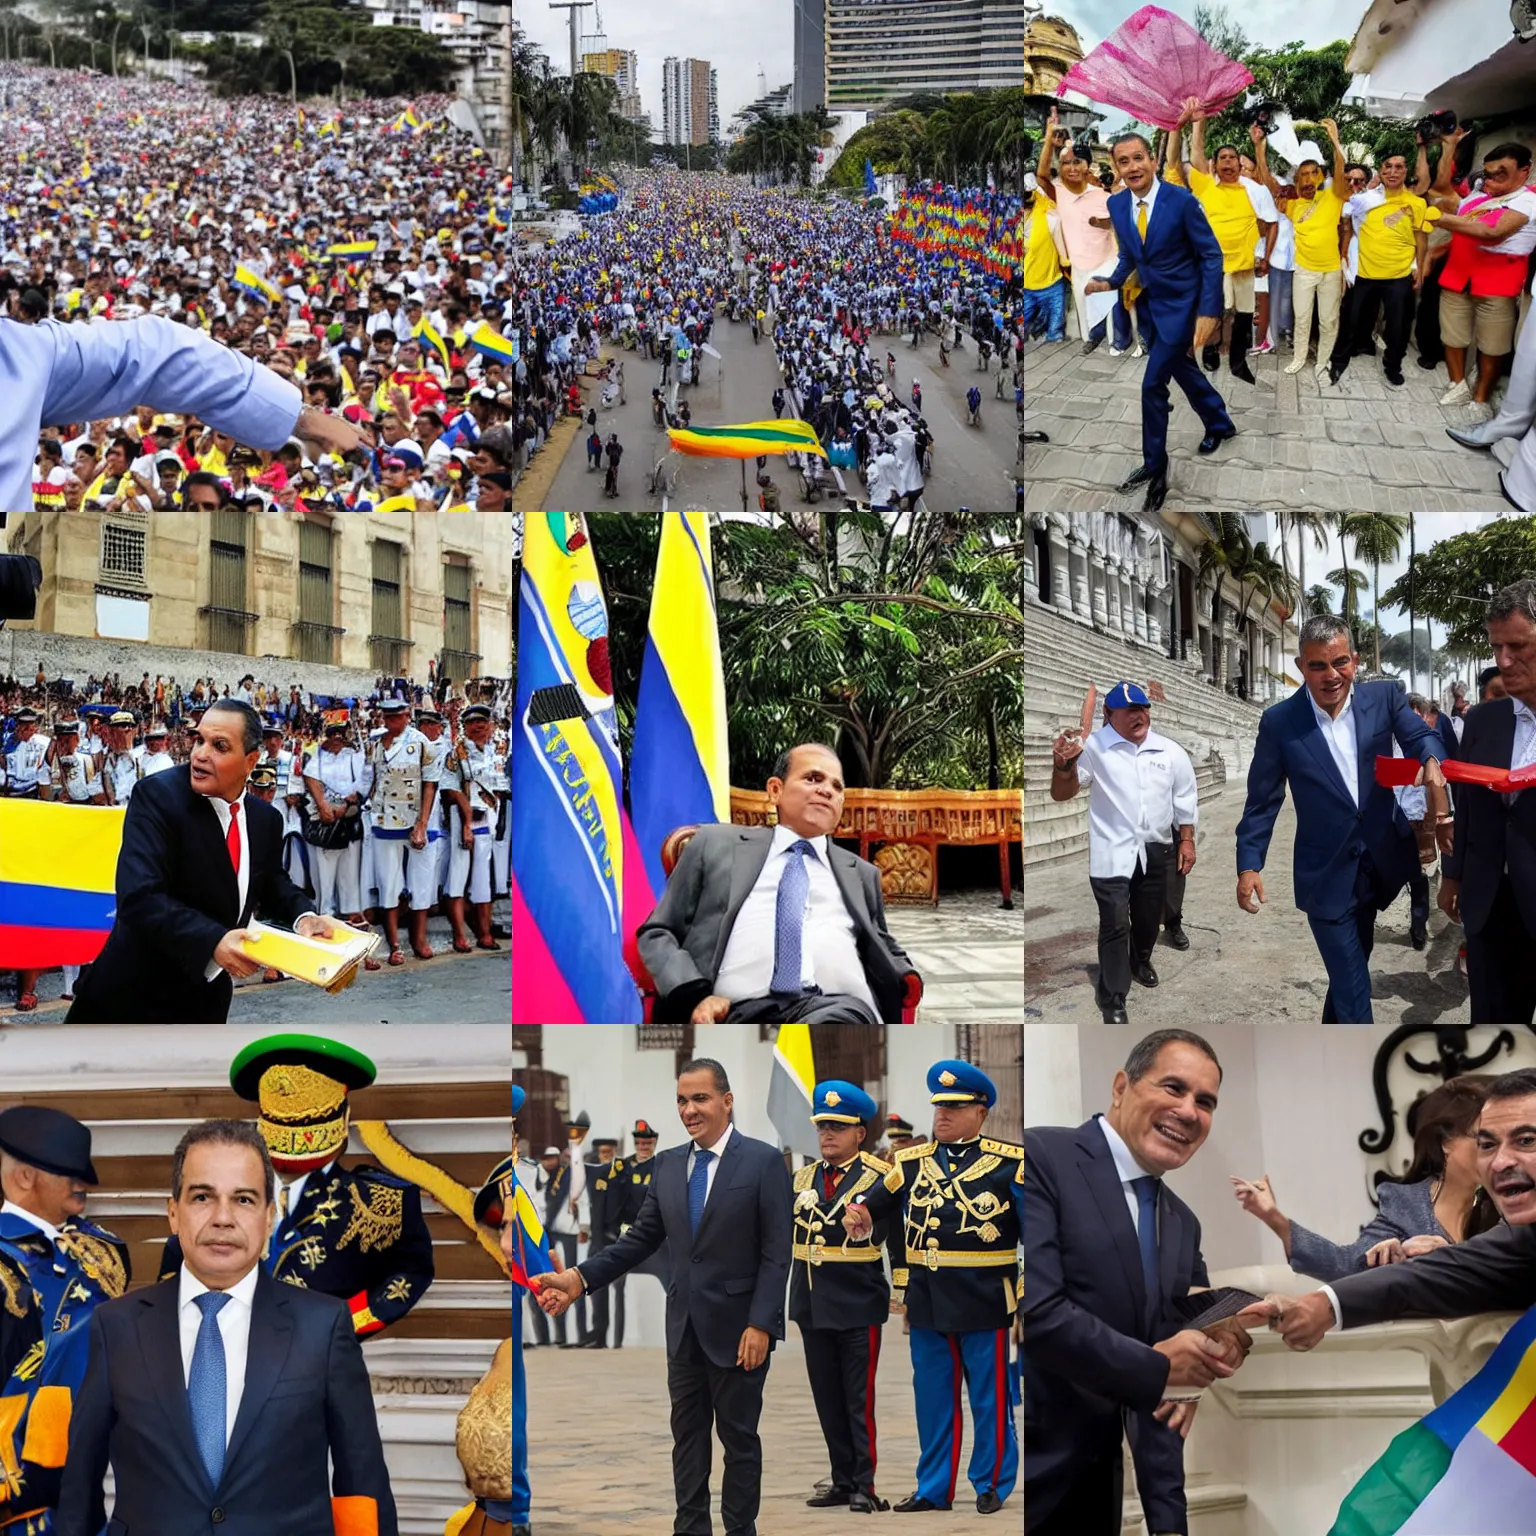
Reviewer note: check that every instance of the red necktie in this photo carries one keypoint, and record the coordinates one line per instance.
(829, 1179)
(232, 839)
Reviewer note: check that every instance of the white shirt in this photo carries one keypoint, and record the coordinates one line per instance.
(243, 875)
(717, 1148)
(1137, 793)
(234, 1319)
(1343, 745)
(1149, 198)
(829, 957)
(51, 1232)
(1127, 1167)
(1523, 241)
(1523, 749)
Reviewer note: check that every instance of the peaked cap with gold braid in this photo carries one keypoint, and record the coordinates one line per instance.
(301, 1084)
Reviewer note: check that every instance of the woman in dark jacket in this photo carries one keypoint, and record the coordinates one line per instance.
(1436, 1201)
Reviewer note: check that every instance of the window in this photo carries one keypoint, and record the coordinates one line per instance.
(316, 634)
(122, 556)
(389, 646)
(458, 657)
(228, 619)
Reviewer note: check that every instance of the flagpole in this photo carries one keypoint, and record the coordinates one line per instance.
(743, 463)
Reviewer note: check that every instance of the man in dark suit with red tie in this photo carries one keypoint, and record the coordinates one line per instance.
(1489, 879)
(199, 857)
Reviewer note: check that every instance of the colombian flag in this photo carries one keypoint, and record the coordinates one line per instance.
(491, 343)
(428, 335)
(568, 825)
(679, 771)
(255, 283)
(530, 1248)
(56, 910)
(351, 248)
(748, 440)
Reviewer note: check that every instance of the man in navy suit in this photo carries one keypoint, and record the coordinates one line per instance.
(1110, 1251)
(199, 856)
(1355, 850)
(724, 1206)
(1167, 242)
(219, 1397)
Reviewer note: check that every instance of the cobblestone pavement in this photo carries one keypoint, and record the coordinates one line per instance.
(600, 1452)
(1239, 968)
(1359, 446)
(970, 953)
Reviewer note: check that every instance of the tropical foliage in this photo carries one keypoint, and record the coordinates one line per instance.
(1229, 555)
(1454, 579)
(780, 149)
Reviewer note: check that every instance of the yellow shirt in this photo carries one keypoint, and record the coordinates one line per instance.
(1316, 222)
(1389, 235)
(1233, 220)
(1042, 267)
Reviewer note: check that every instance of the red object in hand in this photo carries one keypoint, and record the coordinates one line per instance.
(1398, 772)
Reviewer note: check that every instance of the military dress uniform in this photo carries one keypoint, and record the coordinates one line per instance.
(24, 772)
(961, 1205)
(840, 1298)
(603, 1230)
(338, 871)
(403, 767)
(49, 1286)
(72, 776)
(522, 1495)
(480, 775)
(626, 1194)
(121, 771)
(289, 783)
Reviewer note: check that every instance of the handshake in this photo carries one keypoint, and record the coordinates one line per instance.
(555, 1292)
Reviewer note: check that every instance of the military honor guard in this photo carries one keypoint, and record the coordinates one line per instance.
(407, 768)
(522, 1494)
(336, 779)
(602, 1225)
(122, 763)
(287, 800)
(155, 759)
(56, 1268)
(356, 1233)
(70, 774)
(838, 1292)
(427, 869)
(960, 1197)
(23, 764)
(474, 781)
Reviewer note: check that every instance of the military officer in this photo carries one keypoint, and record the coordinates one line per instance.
(287, 799)
(71, 774)
(428, 869)
(491, 1474)
(357, 1233)
(522, 1494)
(24, 762)
(627, 1188)
(56, 1267)
(122, 763)
(603, 1225)
(155, 758)
(838, 1293)
(961, 1197)
(501, 842)
(474, 778)
(406, 770)
(898, 1132)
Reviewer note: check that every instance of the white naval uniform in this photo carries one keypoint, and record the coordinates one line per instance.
(294, 849)
(24, 770)
(76, 782)
(155, 762)
(501, 847)
(402, 769)
(123, 770)
(479, 773)
(338, 871)
(427, 868)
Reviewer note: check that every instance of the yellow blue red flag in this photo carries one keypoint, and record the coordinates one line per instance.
(530, 1247)
(255, 283)
(56, 910)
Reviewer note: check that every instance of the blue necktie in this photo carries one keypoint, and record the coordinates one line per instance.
(789, 921)
(698, 1187)
(206, 1386)
(1146, 1231)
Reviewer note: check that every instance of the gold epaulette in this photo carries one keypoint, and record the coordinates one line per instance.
(926, 1149)
(805, 1177)
(871, 1161)
(1002, 1148)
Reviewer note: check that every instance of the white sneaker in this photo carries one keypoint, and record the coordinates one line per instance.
(1479, 411)
(1138, 350)
(1455, 394)
(1118, 351)
(1298, 365)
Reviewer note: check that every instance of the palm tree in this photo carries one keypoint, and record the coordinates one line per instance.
(1260, 575)
(1377, 537)
(1353, 583)
(1304, 523)
(1319, 599)
(1226, 550)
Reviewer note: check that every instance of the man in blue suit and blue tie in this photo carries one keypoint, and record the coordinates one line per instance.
(1166, 241)
(1354, 848)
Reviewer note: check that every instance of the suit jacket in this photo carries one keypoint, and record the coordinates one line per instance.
(306, 1395)
(1178, 265)
(177, 896)
(730, 1275)
(1332, 833)
(1446, 730)
(1090, 1373)
(1490, 835)
(1402, 1211)
(1492, 1272)
(683, 941)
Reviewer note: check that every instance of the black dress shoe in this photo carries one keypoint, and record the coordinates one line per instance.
(831, 1497)
(916, 1504)
(1215, 438)
(988, 1503)
(1145, 975)
(1335, 373)
(1114, 1011)
(522, 1530)
(593, 1344)
(1157, 494)
(1210, 357)
(1394, 376)
(1092, 345)
(1177, 938)
(1419, 936)
(1138, 476)
(861, 1503)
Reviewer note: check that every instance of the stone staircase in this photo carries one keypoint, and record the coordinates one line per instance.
(1216, 729)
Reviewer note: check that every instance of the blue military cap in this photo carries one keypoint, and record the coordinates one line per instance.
(958, 1082)
(518, 1098)
(1126, 696)
(843, 1103)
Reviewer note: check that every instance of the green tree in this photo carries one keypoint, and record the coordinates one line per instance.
(1455, 578)
(1225, 552)
(1352, 583)
(1415, 652)
(1377, 537)
(1319, 599)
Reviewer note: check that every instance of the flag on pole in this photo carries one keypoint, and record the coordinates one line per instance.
(679, 772)
(530, 1247)
(869, 179)
(58, 878)
(428, 334)
(748, 440)
(1470, 1465)
(791, 1090)
(568, 833)
(254, 283)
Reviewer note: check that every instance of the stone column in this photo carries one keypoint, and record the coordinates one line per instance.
(1096, 588)
(1082, 600)
(1061, 573)
(1139, 602)
(1156, 591)
(1130, 606)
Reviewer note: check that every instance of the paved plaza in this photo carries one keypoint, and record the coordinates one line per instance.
(970, 954)
(1239, 968)
(1359, 446)
(600, 1450)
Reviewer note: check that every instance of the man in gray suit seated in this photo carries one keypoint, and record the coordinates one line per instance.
(776, 925)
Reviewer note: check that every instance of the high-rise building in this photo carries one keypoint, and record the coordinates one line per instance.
(877, 50)
(810, 55)
(622, 66)
(690, 110)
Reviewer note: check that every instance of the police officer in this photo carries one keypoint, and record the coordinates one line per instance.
(474, 776)
(24, 762)
(961, 1198)
(155, 758)
(602, 1225)
(56, 1267)
(522, 1494)
(122, 763)
(838, 1293)
(357, 1233)
(406, 770)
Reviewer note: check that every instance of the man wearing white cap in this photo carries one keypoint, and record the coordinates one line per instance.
(1140, 784)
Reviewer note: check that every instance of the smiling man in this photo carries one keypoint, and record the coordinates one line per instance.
(1111, 1251)
(776, 925)
(199, 856)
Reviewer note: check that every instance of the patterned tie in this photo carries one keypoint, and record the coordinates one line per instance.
(232, 837)
(206, 1387)
(789, 921)
(1146, 1231)
(698, 1187)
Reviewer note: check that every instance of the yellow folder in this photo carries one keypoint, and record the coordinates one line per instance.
(329, 963)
